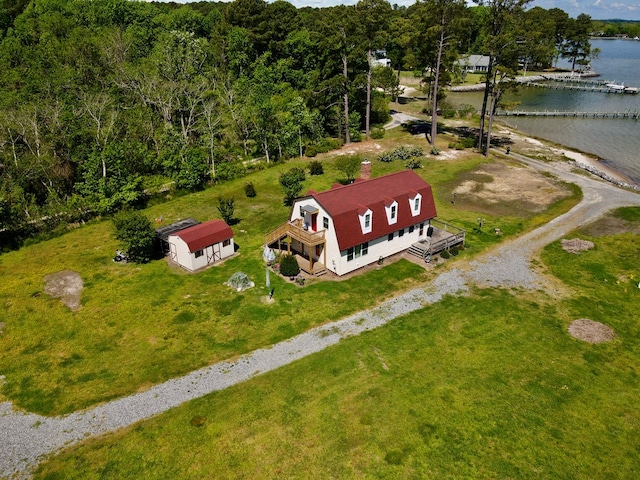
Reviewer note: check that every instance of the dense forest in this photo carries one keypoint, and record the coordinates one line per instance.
(105, 101)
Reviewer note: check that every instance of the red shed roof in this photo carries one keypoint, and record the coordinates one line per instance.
(205, 234)
(344, 202)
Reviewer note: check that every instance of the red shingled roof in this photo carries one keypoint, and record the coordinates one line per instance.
(344, 202)
(205, 234)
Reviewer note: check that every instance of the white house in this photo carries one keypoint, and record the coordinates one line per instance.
(200, 245)
(474, 63)
(350, 226)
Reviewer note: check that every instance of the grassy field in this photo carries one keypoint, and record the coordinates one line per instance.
(143, 324)
(484, 386)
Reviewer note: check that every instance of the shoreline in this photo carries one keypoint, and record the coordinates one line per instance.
(583, 160)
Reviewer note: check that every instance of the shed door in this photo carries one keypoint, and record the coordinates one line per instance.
(173, 252)
(214, 254)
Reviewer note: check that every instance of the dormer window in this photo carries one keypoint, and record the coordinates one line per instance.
(366, 218)
(415, 203)
(391, 209)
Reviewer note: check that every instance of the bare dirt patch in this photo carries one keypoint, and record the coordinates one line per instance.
(610, 225)
(576, 245)
(67, 286)
(591, 331)
(506, 189)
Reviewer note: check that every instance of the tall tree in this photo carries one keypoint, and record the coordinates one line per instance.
(442, 24)
(576, 46)
(499, 21)
(373, 17)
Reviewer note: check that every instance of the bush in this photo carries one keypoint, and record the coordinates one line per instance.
(444, 254)
(249, 190)
(291, 183)
(289, 266)
(414, 163)
(137, 236)
(468, 142)
(435, 151)
(226, 208)
(386, 157)
(315, 168)
(311, 151)
(401, 153)
(377, 133)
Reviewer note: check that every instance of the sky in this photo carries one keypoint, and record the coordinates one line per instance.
(597, 9)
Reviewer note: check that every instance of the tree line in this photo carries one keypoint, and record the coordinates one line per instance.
(103, 102)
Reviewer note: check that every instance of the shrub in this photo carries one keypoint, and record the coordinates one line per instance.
(445, 254)
(249, 190)
(137, 235)
(468, 142)
(315, 168)
(414, 163)
(434, 151)
(311, 150)
(291, 183)
(377, 133)
(386, 157)
(226, 208)
(289, 266)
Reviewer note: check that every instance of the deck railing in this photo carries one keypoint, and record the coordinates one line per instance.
(293, 230)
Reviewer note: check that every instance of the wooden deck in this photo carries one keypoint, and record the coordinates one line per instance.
(443, 237)
(316, 270)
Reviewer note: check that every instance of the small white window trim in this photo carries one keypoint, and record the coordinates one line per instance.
(412, 204)
(389, 210)
(363, 222)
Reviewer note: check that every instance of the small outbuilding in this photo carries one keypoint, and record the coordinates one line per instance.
(200, 245)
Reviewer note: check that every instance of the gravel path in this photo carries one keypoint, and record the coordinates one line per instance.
(27, 438)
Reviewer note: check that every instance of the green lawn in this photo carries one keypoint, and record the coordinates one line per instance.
(142, 324)
(485, 386)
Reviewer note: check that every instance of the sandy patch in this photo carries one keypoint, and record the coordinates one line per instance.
(500, 183)
(67, 286)
(576, 245)
(590, 331)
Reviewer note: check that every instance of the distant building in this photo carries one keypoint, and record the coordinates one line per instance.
(474, 63)
(380, 59)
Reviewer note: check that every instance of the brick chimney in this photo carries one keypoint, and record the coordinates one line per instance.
(365, 170)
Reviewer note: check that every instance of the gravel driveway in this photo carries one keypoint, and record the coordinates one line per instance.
(27, 438)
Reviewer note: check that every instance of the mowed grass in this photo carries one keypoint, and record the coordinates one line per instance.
(485, 386)
(142, 324)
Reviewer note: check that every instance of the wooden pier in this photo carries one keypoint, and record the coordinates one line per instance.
(586, 86)
(633, 115)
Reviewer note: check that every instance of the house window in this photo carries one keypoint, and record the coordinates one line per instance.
(411, 228)
(416, 204)
(393, 212)
(357, 251)
(325, 223)
(226, 242)
(301, 212)
(199, 253)
(401, 233)
(390, 237)
(367, 221)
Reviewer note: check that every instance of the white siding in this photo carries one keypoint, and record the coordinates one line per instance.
(188, 260)
(380, 247)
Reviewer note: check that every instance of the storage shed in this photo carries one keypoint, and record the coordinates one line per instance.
(200, 245)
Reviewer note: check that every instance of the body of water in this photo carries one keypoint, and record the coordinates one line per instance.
(615, 141)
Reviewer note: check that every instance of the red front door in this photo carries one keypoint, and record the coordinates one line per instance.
(314, 221)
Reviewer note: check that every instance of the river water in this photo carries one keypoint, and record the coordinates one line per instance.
(615, 141)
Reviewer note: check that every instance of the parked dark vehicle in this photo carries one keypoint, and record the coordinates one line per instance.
(417, 126)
